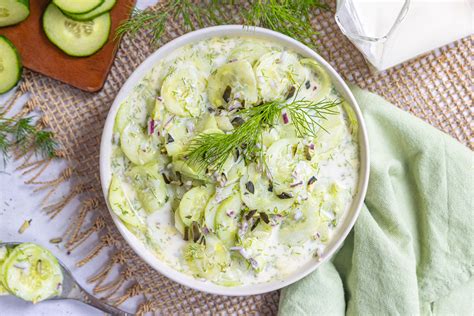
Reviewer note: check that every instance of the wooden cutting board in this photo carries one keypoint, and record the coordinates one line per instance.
(38, 54)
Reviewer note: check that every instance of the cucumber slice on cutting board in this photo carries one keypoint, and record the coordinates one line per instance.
(106, 6)
(75, 38)
(32, 273)
(13, 11)
(77, 6)
(10, 65)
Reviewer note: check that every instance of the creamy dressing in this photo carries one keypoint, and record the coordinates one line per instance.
(299, 189)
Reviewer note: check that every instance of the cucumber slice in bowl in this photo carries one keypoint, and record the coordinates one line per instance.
(78, 39)
(77, 6)
(10, 65)
(13, 11)
(106, 6)
(32, 273)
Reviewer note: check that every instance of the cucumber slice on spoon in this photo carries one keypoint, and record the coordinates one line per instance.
(106, 6)
(24, 254)
(75, 38)
(32, 273)
(77, 6)
(10, 65)
(13, 11)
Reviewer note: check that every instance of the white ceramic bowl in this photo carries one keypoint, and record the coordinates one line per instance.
(343, 228)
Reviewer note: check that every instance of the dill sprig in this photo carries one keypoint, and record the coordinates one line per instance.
(211, 150)
(190, 12)
(23, 134)
(290, 17)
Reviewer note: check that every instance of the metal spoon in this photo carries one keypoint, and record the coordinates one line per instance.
(72, 290)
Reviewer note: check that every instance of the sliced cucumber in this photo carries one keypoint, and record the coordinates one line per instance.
(10, 65)
(106, 6)
(226, 220)
(32, 273)
(249, 51)
(211, 207)
(77, 6)
(189, 170)
(233, 81)
(208, 122)
(263, 198)
(302, 224)
(322, 76)
(288, 165)
(13, 11)
(276, 72)
(176, 136)
(191, 208)
(4, 251)
(3, 290)
(255, 242)
(139, 147)
(178, 223)
(208, 260)
(181, 92)
(75, 38)
(120, 203)
(150, 186)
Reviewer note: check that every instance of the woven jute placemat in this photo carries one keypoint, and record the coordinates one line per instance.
(436, 87)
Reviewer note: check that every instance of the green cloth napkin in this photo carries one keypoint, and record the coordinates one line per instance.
(411, 250)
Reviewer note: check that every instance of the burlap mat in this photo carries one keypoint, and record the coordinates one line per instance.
(436, 87)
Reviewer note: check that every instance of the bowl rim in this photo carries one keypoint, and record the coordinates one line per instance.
(341, 231)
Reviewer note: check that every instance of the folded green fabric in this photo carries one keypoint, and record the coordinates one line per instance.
(411, 250)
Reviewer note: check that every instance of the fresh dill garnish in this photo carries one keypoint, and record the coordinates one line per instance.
(24, 135)
(290, 17)
(211, 150)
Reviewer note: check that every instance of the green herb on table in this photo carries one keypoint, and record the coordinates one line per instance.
(287, 17)
(290, 17)
(24, 135)
(212, 150)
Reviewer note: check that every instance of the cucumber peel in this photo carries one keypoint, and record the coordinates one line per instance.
(77, 6)
(106, 6)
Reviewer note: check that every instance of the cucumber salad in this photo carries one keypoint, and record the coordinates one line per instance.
(234, 159)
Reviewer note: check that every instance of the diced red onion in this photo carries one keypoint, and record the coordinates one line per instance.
(235, 105)
(151, 127)
(286, 120)
(311, 146)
